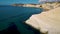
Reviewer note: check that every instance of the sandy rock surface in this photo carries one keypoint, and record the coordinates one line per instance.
(46, 21)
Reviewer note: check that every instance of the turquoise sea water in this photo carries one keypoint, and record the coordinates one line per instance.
(16, 15)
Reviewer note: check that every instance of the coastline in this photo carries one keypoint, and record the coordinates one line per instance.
(46, 6)
(46, 21)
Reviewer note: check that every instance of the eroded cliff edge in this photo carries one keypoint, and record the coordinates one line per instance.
(46, 21)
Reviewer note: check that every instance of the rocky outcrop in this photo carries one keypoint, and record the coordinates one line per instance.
(27, 5)
(46, 6)
(46, 21)
(50, 5)
(17, 4)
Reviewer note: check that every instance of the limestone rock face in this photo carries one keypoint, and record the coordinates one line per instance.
(46, 21)
(50, 5)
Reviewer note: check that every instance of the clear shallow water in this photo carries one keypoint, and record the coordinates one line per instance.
(17, 15)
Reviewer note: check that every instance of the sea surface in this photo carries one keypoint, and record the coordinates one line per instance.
(14, 15)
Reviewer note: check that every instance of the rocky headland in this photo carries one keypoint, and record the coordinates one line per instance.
(46, 6)
(47, 22)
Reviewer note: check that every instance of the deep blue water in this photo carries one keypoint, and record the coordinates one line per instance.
(17, 15)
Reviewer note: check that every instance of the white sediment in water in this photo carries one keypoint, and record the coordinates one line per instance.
(46, 21)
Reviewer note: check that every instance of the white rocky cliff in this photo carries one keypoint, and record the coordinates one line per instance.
(46, 21)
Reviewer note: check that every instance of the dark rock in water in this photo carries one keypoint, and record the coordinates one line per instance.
(10, 30)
